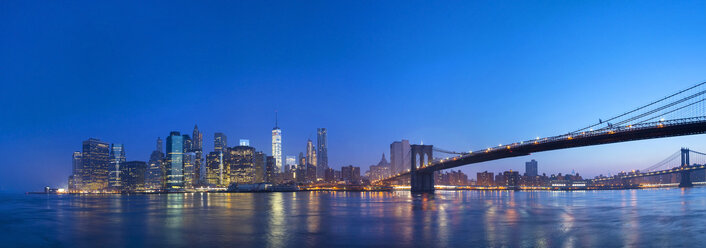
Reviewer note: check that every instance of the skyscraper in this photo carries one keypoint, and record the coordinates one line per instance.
(156, 170)
(220, 142)
(133, 175)
(215, 170)
(197, 149)
(241, 161)
(310, 161)
(399, 156)
(259, 167)
(117, 158)
(269, 169)
(321, 152)
(175, 162)
(94, 172)
(531, 168)
(277, 145)
(76, 168)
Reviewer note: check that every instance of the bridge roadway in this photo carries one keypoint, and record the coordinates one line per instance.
(651, 130)
(651, 173)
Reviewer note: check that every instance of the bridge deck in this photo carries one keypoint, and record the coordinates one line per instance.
(679, 127)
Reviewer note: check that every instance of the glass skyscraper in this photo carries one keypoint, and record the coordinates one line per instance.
(220, 142)
(94, 172)
(175, 162)
(321, 152)
(117, 158)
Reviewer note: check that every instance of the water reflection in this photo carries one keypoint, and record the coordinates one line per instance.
(637, 218)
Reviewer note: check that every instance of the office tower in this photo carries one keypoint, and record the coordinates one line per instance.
(96, 163)
(220, 142)
(197, 149)
(300, 173)
(310, 161)
(76, 167)
(531, 168)
(189, 170)
(133, 175)
(350, 174)
(399, 156)
(381, 170)
(175, 161)
(240, 159)
(277, 146)
(321, 152)
(259, 167)
(117, 157)
(215, 173)
(270, 170)
(156, 170)
(512, 178)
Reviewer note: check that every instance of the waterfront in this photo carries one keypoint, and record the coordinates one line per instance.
(648, 217)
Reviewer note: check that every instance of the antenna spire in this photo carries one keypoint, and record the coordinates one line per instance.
(276, 120)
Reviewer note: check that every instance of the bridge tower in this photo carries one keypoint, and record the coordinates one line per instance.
(685, 175)
(422, 182)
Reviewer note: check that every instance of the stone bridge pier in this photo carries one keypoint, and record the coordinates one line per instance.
(421, 182)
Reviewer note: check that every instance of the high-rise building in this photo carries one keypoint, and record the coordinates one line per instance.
(197, 149)
(215, 173)
(156, 169)
(310, 161)
(96, 163)
(220, 142)
(381, 170)
(175, 161)
(270, 171)
(321, 153)
(133, 175)
(241, 161)
(259, 167)
(531, 168)
(350, 174)
(189, 160)
(76, 168)
(277, 145)
(117, 158)
(399, 156)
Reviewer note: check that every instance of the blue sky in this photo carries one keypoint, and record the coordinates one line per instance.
(460, 75)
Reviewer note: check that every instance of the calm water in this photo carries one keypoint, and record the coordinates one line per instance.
(640, 218)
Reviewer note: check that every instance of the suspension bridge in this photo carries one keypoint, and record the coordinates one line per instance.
(680, 162)
(678, 114)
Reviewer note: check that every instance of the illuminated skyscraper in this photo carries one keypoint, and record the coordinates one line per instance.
(175, 162)
(215, 173)
(240, 160)
(117, 158)
(94, 172)
(220, 142)
(277, 146)
(269, 169)
(197, 149)
(310, 161)
(321, 152)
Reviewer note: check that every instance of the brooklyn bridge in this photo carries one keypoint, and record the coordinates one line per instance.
(678, 114)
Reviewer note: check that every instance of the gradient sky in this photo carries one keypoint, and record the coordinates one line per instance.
(460, 75)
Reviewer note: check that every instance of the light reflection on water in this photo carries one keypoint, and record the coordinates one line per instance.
(630, 218)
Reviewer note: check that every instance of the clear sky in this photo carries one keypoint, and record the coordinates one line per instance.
(460, 75)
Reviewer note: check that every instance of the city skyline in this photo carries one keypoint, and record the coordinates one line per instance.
(461, 78)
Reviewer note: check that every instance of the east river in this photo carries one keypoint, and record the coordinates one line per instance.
(610, 218)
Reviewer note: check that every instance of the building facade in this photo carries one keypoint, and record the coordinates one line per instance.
(96, 163)
(175, 162)
(321, 152)
(399, 156)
